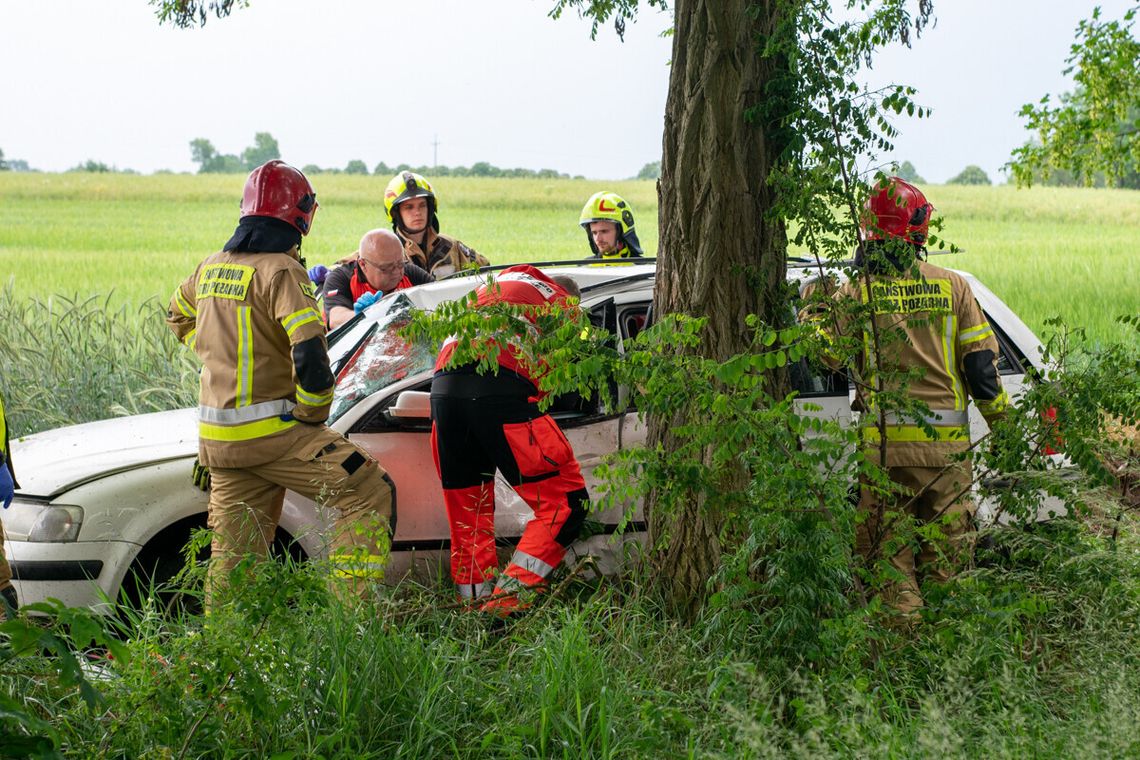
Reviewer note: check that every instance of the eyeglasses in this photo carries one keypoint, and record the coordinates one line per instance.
(392, 268)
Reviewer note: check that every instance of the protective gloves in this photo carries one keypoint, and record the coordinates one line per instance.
(318, 274)
(201, 475)
(7, 487)
(365, 301)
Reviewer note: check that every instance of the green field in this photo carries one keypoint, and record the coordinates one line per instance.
(1046, 251)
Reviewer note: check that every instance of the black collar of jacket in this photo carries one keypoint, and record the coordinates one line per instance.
(263, 234)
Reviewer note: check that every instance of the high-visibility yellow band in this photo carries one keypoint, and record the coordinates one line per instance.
(246, 432)
(313, 399)
(244, 390)
(981, 332)
(184, 305)
(358, 565)
(993, 406)
(915, 434)
(298, 319)
(191, 339)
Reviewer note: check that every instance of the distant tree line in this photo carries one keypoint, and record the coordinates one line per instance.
(480, 169)
(265, 147)
(210, 161)
(971, 175)
(13, 164)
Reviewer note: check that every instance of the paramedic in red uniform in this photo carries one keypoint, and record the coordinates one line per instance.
(489, 421)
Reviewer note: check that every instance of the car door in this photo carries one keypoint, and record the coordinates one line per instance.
(1021, 352)
(820, 393)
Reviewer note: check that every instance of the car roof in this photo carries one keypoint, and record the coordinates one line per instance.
(627, 281)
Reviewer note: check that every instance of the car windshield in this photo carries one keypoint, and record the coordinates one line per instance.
(380, 358)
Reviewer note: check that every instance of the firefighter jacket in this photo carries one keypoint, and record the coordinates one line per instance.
(440, 254)
(625, 252)
(347, 283)
(5, 448)
(243, 313)
(522, 285)
(930, 322)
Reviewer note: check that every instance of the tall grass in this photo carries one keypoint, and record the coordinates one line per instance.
(67, 361)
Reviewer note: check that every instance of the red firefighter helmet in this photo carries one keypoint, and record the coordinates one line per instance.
(277, 190)
(897, 209)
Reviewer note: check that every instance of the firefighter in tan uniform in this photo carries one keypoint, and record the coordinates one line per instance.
(8, 600)
(413, 210)
(266, 388)
(928, 320)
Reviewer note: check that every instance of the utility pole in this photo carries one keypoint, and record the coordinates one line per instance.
(435, 153)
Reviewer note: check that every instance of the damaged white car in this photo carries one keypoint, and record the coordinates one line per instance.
(106, 508)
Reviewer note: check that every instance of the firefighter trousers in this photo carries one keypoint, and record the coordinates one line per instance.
(245, 508)
(484, 423)
(924, 494)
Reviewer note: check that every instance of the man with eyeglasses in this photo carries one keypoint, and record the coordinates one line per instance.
(379, 268)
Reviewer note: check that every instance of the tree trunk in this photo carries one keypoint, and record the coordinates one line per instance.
(721, 254)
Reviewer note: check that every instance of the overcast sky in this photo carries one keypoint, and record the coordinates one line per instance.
(497, 81)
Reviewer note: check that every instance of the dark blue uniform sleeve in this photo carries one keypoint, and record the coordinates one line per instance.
(338, 288)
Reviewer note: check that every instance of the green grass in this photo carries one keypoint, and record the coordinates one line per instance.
(1032, 657)
(1073, 253)
(139, 236)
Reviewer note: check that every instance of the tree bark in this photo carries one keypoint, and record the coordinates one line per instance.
(721, 254)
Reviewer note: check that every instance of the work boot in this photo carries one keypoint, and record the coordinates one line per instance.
(504, 605)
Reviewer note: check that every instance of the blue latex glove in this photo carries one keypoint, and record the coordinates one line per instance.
(318, 274)
(365, 301)
(7, 487)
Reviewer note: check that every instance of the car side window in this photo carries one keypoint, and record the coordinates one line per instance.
(810, 378)
(1011, 360)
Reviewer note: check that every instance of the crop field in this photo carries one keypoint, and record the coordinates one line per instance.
(1071, 253)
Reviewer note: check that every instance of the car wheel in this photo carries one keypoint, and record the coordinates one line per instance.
(154, 570)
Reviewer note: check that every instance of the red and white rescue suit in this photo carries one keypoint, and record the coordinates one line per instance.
(489, 421)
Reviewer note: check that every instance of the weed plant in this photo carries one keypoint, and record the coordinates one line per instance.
(1033, 653)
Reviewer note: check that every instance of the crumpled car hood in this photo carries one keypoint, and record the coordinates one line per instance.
(54, 461)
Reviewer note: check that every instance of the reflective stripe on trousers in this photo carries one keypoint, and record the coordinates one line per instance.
(468, 591)
(530, 565)
(358, 565)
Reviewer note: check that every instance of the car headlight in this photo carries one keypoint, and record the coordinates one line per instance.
(41, 523)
